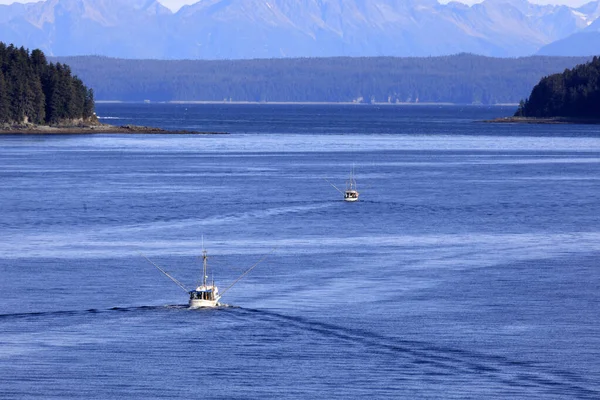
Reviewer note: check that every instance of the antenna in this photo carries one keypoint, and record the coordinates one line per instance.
(166, 273)
(248, 270)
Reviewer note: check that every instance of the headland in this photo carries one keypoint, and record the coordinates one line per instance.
(544, 120)
(93, 128)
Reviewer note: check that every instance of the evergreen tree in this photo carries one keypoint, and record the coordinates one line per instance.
(574, 93)
(38, 61)
(49, 84)
(36, 101)
(88, 104)
(4, 104)
(32, 90)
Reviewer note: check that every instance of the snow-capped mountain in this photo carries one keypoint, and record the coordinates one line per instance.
(217, 29)
(106, 27)
(585, 42)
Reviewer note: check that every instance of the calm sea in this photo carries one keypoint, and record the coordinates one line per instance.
(468, 270)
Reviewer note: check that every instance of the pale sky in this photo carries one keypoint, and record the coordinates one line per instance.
(177, 4)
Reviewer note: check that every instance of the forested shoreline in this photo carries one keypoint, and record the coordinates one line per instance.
(34, 91)
(458, 79)
(575, 93)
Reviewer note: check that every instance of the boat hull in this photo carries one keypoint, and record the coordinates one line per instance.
(199, 303)
(351, 199)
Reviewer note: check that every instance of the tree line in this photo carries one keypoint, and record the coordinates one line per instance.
(32, 90)
(574, 93)
(461, 79)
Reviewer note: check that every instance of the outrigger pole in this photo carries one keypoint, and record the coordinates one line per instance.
(248, 270)
(167, 274)
(335, 187)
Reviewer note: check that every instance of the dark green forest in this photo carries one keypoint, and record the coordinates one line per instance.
(462, 79)
(35, 91)
(574, 93)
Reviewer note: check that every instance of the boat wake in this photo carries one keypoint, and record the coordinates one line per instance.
(407, 358)
(63, 313)
(440, 360)
(42, 314)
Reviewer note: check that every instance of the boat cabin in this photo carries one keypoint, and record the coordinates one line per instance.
(203, 295)
(351, 195)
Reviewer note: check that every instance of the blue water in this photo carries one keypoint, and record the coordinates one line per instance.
(468, 270)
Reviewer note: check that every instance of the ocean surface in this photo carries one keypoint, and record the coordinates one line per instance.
(470, 268)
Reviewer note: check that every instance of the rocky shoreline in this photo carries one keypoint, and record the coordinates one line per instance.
(90, 129)
(549, 120)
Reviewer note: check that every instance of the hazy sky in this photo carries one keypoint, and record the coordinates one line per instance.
(176, 4)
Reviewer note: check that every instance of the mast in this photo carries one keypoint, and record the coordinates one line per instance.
(351, 183)
(204, 267)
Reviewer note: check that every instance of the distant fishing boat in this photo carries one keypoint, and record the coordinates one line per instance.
(206, 295)
(351, 193)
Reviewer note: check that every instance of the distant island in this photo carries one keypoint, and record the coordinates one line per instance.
(570, 97)
(457, 79)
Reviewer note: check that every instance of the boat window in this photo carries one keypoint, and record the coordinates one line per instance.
(209, 295)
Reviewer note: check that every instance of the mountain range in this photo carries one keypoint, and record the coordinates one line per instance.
(245, 29)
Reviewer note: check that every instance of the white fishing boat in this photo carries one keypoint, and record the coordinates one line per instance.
(351, 193)
(206, 295)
